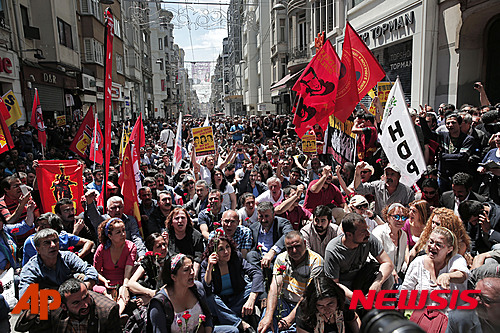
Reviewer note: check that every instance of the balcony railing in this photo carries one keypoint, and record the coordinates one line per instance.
(297, 53)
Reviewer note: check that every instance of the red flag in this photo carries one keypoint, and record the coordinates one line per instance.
(137, 135)
(178, 145)
(37, 119)
(360, 72)
(83, 138)
(317, 88)
(60, 179)
(129, 189)
(96, 141)
(6, 142)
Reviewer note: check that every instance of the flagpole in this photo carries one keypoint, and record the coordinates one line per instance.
(43, 153)
(95, 137)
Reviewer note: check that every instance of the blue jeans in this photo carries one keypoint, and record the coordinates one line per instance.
(286, 308)
(227, 309)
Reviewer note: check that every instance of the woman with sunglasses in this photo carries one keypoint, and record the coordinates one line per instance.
(418, 216)
(443, 217)
(394, 239)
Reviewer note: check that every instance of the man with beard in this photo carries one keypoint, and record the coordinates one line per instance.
(65, 209)
(156, 222)
(321, 231)
(79, 308)
(199, 201)
(386, 191)
(461, 190)
(97, 183)
(486, 317)
(346, 256)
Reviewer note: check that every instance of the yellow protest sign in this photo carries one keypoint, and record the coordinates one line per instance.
(383, 90)
(309, 143)
(204, 141)
(61, 121)
(14, 110)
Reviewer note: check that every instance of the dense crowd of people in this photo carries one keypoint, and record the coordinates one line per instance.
(259, 236)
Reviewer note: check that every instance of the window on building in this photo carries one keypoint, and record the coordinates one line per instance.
(282, 37)
(65, 36)
(301, 37)
(160, 43)
(283, 67)
(125, 56)
(161, 64)
(117, 28)
(4, 17)
(93, 51)
(92, 7)
(25, 16)
(330, 15)
(119, 64)
(356, 2)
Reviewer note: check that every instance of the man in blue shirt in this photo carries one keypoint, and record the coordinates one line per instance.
(237, 130)
(51, 267)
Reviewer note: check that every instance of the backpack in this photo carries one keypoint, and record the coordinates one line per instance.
(138, 321)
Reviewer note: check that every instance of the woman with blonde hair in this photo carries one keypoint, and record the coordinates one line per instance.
(420, 211)
(442, 268)
(443, 217)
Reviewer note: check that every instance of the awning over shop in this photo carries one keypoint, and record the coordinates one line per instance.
(288, 80)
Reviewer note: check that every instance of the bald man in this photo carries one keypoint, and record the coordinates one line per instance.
(486, 317)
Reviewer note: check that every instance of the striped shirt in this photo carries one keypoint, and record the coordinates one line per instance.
(296, 279)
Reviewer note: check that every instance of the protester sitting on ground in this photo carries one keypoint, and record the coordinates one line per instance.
(241, 235)
(80, 308)
(51, 267)
(219, 182)
(441, 268)
(114, 260)
(181, 294)
(443, 217)
(346, 258)
(417, 219)
(183, 238)
(274, 194)
(213, 214)
(292, 271)
(321, 309)
(115, 207)
(67, 242)
(393, 239)
(223, 270)
(144, 283)
(320, 231)
(387, 191)
(248, 211)
(358, 204)
(290, 208)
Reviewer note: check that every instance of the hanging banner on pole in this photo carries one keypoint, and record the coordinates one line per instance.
(14, 111)
(60, 179)
(383, 90)
(108, 68)
(204, 141)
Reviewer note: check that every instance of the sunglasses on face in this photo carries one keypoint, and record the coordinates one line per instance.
(362, 206)
(400, 217)
(363, 172)
(429, 192)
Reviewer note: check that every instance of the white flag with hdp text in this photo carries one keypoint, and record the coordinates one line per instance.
(399, 139)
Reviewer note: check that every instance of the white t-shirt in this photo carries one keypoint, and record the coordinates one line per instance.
(242, 213)
(167, 136)
(382, 232)
(418, 278)
(226, 198)
(267, 196)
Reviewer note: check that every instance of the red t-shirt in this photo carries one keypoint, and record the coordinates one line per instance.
(367, 143)
(330, 195)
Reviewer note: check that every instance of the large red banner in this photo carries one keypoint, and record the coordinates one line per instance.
(360, 72)
(83, 138)
(37, 119)
(60, 179)
(6, 142)
(316, 90)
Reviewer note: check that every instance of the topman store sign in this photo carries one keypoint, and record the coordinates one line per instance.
(391, 30)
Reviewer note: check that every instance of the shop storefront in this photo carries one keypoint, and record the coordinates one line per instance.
(53, 90)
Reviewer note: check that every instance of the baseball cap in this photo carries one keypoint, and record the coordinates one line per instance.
(358, 200)
(393, 167)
